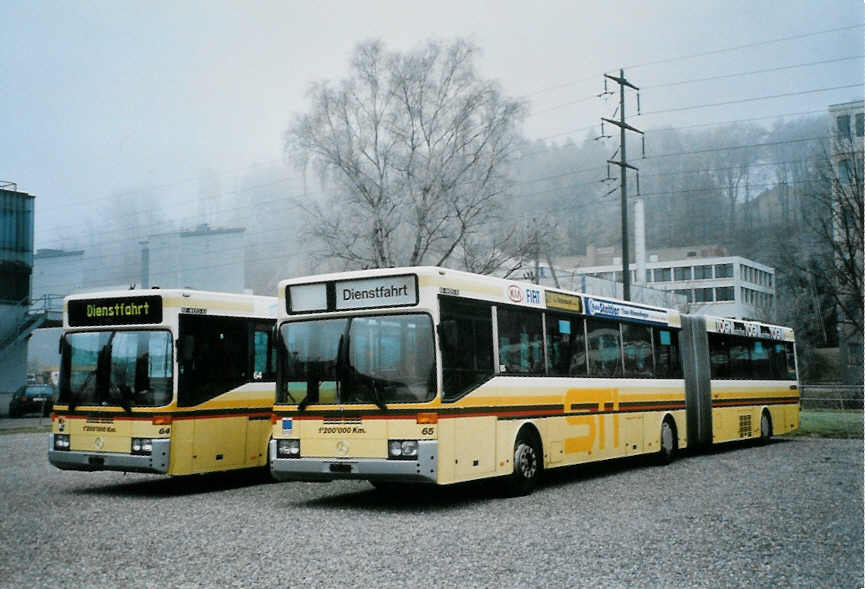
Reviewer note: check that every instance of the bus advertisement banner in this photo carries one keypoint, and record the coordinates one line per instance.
(622, 311)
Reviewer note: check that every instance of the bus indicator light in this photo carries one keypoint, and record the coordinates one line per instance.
(427, 418)
(162, 420)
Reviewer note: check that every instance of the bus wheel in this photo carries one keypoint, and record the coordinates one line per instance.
(527, 465)
(765, 428)
(668, 443)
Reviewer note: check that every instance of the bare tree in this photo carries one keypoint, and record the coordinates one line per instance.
(733, 167)
(828, 252)
(412, 149)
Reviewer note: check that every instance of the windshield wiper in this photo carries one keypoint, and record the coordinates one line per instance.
(287, 392)
(303, 403)
(103, 371)
(73, 395)
(376, 396)
(313, 380)
(125, 393)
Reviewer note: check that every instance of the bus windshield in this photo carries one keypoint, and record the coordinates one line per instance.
(117, 368)
(371, 359)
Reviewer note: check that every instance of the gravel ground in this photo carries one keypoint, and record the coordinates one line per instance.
(788, 514)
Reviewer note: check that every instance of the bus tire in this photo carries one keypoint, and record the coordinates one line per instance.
(527, 465)
(668, 444)
(765, 427)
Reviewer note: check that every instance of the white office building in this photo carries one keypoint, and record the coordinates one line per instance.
(204, 258)
(726, 286)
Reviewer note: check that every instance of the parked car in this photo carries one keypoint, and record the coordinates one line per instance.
(32, 398)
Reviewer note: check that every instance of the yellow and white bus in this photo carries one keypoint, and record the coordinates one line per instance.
(174, 382)
(440, 376)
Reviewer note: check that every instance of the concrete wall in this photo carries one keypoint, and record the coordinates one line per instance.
(57, 274)
(204, 260)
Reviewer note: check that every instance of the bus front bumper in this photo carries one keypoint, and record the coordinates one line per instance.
(422, 470)
(157, 462)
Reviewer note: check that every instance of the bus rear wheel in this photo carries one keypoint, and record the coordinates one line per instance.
(668, 443)
(765, 428)
(527, 465)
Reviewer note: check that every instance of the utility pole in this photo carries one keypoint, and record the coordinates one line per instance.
(624, 167)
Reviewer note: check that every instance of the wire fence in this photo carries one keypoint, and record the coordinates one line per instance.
(831, 397)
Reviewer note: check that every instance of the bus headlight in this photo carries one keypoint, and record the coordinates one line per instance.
(142, 446)
(61, 441)
(288, 448)
(402, 449)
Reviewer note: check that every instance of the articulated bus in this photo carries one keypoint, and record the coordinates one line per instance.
(439, 376)
(174, 382)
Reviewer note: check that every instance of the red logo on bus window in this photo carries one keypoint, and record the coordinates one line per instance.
(515, 293)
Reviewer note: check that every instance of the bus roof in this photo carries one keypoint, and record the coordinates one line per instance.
(748, 328)
(115, 308)
(435, 280)
(520, 292)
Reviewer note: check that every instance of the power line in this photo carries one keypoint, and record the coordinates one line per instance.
(754, 99)
(731, 147)
(291, 200)
(679, 128)
(244, 247)
(721, 188)
(745, 46)
(254, 166)
(704, 79)
(570, 187)
(775, 116)
(695, 55)
(753, 72)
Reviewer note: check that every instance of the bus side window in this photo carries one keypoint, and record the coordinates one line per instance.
(521, 346)
(740, 358)
(777, 361)
(791, 361)
(605, 348)
(667, 360)
(467, 355)
(637, 347)
(566, 346)
(263, 367)
(719, 356)
(761, 367)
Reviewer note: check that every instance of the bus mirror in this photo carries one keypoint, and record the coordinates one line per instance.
(448, 334)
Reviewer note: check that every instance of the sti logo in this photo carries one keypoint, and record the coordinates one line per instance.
(515, 293)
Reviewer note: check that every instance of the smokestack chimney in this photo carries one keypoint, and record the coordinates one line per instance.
(640, 240)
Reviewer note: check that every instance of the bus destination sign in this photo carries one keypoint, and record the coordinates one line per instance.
(115, 311)
(557, 300)
(389, 291)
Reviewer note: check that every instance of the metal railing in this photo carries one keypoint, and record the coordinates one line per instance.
(45, 309)
(837, 397)
(48, 303)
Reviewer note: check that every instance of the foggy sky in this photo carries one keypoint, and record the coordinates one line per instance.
(102, 98)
